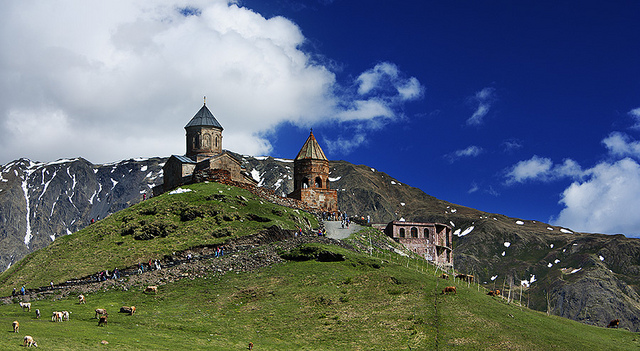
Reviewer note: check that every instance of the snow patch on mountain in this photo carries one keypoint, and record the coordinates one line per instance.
(28, 236)
(465, 232)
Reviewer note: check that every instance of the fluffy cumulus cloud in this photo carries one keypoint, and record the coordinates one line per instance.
(621, 145)
(606, 202)
(601, 199)
(635, 114)
(483, 100)
(118, 79)
(373, 100)
(542, 169)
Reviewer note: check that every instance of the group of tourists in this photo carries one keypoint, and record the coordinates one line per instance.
(15, 293)
(104, 275)
(219, 251)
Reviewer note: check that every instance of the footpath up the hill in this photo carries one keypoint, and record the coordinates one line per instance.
(335, 229)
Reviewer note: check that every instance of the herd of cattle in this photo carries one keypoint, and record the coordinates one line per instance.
(469, 278)
(64, 315)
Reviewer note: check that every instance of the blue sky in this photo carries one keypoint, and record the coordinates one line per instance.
(528, 109)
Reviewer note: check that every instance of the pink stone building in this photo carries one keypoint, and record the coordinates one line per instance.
(433, 241)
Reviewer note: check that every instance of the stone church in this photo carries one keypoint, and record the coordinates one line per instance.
(205, 159)
(311, 178)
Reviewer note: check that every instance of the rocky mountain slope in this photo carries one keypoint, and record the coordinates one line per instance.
(591, 278)
(42, 201)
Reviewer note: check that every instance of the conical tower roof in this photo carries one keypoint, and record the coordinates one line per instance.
(204, 117)
(311, 150)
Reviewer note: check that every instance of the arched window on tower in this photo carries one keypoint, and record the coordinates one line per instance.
(425, 234)
(414, 232)
(402, 232)
(207, 141)
(318, 182)
(216, 145)
(305, 183)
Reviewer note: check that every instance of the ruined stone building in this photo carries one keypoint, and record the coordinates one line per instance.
(205, 159)
(311, 177)
(429, 240)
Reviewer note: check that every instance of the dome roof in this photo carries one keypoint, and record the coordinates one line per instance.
(204, 117)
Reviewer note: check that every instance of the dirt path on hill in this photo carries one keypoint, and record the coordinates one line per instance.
(243, 254)
(336, 231)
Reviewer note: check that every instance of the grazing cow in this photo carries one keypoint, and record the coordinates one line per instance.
(101, 311)
(444, 276)
(103, 320)
(81, 299)
(28, 341)
(151, 289)
(614, 323)
(449, 289)
(56, 316)
(465, 277)
(26, 305)
(250, 346)
(65, 315)
(126, 309)
(16, 326)
(494, 292)
(37, 313)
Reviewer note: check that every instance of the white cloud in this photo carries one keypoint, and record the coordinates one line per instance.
(534, 168)
(511, 145)
(542, 169)
(484, 99)
(621, 145)
(635, 113)
(606, 202)
(344, 145)
(119, 79)
(386, 77)
(473, 189)
(470, 151)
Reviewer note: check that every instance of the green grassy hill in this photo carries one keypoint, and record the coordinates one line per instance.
(322, 297)
(361, 303)
(206, 214)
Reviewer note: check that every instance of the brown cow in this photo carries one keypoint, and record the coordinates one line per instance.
(449, 289)
(444, 276)
(16, 327)
(614, 323)
(151, 289)
(126, 309)
(28, 341)
(103, 320)
(101, 311)
(465, 277)
(250, 346)
(494, 292)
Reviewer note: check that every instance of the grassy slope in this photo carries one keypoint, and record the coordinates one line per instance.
(356, 304)
(210, 214)
(363, 303)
